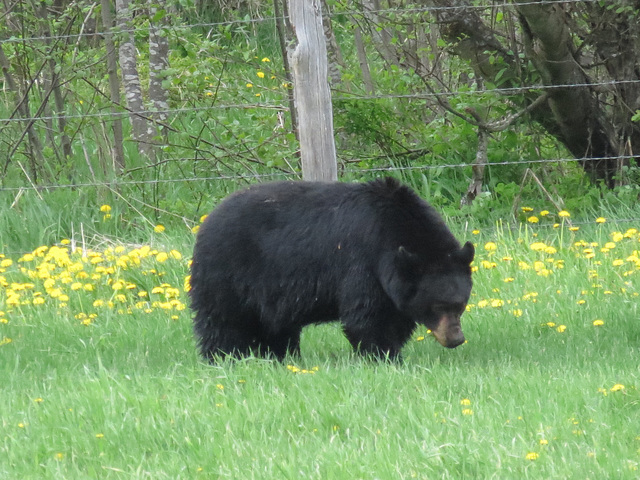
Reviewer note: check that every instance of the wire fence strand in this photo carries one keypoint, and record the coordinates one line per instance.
(277, 107)
(261, 176)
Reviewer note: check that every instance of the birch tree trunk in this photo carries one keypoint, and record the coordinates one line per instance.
(142, 130)
(308, 58)
(158, 59)
(117, 153)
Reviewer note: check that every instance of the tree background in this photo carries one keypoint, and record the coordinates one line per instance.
(472, 102)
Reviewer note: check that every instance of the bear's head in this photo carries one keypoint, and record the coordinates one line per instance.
(432, 291)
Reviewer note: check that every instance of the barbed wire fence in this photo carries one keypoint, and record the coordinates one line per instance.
(281, 106)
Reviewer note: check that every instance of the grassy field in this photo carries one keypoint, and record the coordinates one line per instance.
(100, 376)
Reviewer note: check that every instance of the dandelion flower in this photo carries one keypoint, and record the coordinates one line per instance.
(105, 208)
(564, 214)
(527, 209)
(490, 247)
(617, 387)
(467, 411)
(249, 85)
(159, 228)
(538, 246)
(265, 59)
(601, 220)
(544, 213)
(598, 323)
(543, 441)
(532, 456)
(465, 401)
(561, 328)
(260, 74)
(533, 219)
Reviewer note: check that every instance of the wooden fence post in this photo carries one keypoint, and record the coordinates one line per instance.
(308, 59)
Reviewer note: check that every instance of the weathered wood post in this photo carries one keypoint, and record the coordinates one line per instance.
(307, 54)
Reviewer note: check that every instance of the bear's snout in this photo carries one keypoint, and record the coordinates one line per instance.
(449, 331)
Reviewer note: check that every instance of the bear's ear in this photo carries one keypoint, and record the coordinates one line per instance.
(406, 262)
(466, 253)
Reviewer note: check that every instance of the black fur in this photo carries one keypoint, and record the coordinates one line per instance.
(276, 257)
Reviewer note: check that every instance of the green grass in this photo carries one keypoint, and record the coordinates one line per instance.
(104, 382)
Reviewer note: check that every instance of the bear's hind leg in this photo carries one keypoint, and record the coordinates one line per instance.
(220, 339)
(282, 342)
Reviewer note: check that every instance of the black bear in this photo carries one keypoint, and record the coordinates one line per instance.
(276, 257)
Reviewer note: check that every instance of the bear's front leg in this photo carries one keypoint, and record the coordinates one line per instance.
(380, 338)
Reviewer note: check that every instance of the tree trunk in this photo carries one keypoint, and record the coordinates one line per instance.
(575, 109)
(117, 153)
(572, 114)
(308, 59)
(281, 29)
(362, 59)
(22, 108)
(334, 55)
(158, 60)
(141, 129)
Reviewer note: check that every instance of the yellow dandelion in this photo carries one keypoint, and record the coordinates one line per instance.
(260, 74)
(533, 219)
(598, 323)
(465, 401)
(105, 208)
(249, 85)
(564, 214)
(538, 246)
(490, 247)
(532, 456)
(159, 228)
(601, 220)
(618, 262)
(544, 213)
(467, 411)
(617, 387)
(527, 209)
(543, 441)
(265, 59)
(561, 328)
